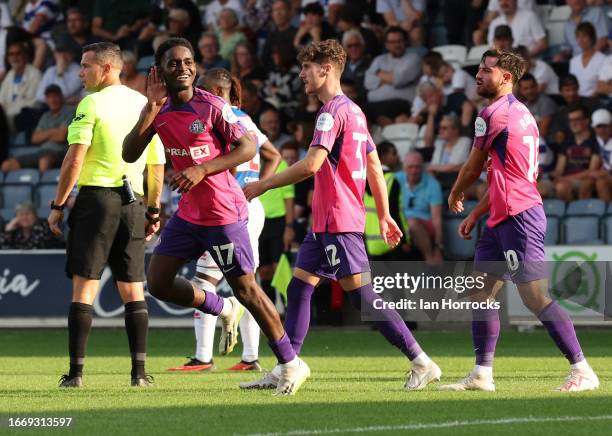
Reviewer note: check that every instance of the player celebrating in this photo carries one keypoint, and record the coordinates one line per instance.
(197, 130)
(220, 82)
(341, 156)
(513, 241)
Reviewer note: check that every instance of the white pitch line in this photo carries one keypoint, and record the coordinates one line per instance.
(426, 425)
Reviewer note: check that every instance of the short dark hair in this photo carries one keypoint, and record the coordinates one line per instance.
(53, 88)
(106, 52)
(588, 29)
(169, 44)
(568, 80)
(395, 29)
(528, 77)
(502, 32)
(77, 10)
(507, 61)
(433, 59)
(577, 107)
(313, 8)
(249, 87)
(384, 148)
(351, 14)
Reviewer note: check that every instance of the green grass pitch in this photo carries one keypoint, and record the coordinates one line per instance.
(356, 387)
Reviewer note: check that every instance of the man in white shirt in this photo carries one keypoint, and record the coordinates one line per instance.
(65, 74)
(526, 27)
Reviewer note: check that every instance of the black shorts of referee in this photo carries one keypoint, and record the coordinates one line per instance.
(105, 229)
(271, 240)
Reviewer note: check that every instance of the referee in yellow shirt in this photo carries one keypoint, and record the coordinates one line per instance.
(108, 223)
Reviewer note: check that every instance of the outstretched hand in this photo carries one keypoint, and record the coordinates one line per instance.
(390, 231)
(253, 190)
(157, 94)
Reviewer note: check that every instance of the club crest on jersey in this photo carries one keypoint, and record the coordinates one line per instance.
(196, 127)
(480, 127)
(325, 122)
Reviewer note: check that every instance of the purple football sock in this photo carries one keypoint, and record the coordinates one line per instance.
(213, 304)
(297, 318)
(389, 322)
(485, 331)
(561, 330)
(282, 349)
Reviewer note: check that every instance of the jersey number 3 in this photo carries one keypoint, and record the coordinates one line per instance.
(361, 138)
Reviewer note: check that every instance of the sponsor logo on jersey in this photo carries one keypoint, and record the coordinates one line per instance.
(179, 152)
(196, 127)
(199, 152)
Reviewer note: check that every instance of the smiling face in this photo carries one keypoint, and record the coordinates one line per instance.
(490, 78)
(178, 69)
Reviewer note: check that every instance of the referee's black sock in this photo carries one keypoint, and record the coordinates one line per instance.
(266, 285)
(79, 326)
(136, 326)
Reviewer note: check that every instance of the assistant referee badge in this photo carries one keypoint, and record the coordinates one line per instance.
(196, 127)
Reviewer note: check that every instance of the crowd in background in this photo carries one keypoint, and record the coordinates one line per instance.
(391, 71)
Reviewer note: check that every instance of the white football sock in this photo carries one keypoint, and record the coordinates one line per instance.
(204, 325)
(483, 371)
(421, 360)
(582, 365)
(249, 330)
(292, 363)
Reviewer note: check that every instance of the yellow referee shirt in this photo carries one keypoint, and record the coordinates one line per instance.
(103, 119)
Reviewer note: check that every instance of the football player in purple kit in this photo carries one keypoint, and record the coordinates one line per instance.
(506, 138)
(198, 130)
(341, 156)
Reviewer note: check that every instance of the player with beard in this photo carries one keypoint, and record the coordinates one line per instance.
(341, 156)
(204, 140)
(512, 245)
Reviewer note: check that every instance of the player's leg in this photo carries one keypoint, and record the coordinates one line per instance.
(421, 237)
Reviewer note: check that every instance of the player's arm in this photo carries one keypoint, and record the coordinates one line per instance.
(469, 173)
(468, 224)
(137, 140)
(297, 172)
(271, 160)
(389, 230)
(155, 185)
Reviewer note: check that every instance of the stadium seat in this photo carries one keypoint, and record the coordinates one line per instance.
(403, 135)
(23, 177)
(12, 195)
(554, 207)
(559, 13)
(7, 214)
(19, 139)
(609, 211)
(44, 194)
(581, 230)
(144, 63)
(552, 230)
(452, 53)
(50, 176)
(555, 24)
(543, 12)
(1, 177)
(591, 207)
(457, 248)
(475, 54)
(376, 132)
(43, 212)
(607, 228)
(23, 150)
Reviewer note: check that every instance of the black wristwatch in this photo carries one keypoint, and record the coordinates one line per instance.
(153, 210)
(57, 206)
(151, 219)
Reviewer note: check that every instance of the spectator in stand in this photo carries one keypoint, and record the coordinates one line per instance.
(436, 105)
(422, 207)
(246, 66)
(228, 33)
(357, 62)
(39, 19)
(453, 79)
(451, 150)
(270, 123)
(493, 10)
(601, 121)
(209, 49)
(407, 14)
(253, 104)
(332, 8)
(351, 18)
(290, 153)
(578, 160)
(581, 13)
(214, 8)
(120, 21)
(310, 105)
(5, 136)
(604, 79)
(587, 65)
(502, 38)
(130, 76)
(282, 32)
(28, 232)
(568, 88)
(548, 81)
(431, 63)
(257, 14)
(313, 28)
(283, 83)
(18, 90)
(65, 74)
(526, 27)
(79, 29)
(541, 106)
(50, 135)
(389, 79)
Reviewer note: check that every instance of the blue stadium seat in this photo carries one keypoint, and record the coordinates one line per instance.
(23, 150)
(7, 214)
(457, 248)
(554, 207)
(581, 230)
(609, 211)
(12, 195)
(50, 176)
(590, 207)
(23, 177)
(144, 63)
(44, 195)
(1, 177)
(43, 212)
(552, 230)
(607, 228)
